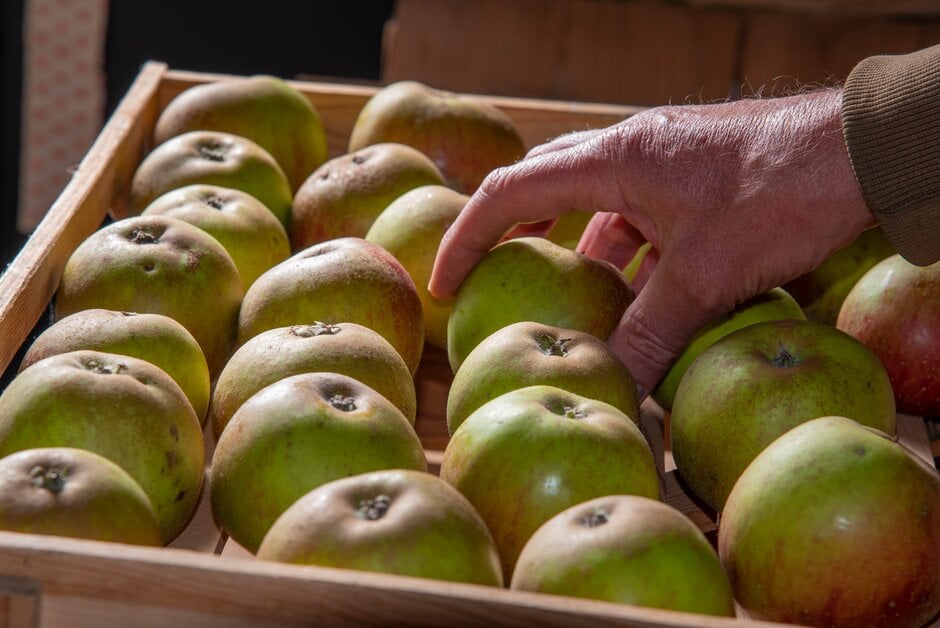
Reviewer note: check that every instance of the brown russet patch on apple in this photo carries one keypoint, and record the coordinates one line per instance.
(192, 259)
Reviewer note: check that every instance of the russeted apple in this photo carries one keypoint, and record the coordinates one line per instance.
(404, 522)
(120, 407)
(344, 348)
(529, 354)
(295, 435)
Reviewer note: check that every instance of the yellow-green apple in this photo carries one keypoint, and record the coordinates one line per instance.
(835, 524)
(211, 158)
(533, 279)
(529, 454)
(119, 407)
(404, 522)
(159, 265)
(155, 338)
(775, 304)
(265, 109)
(74, 492)
(251, 234)
(344, 348)
(626, 549)
(347, 279)
(531, 354)
(293, 436)
(346, 194)
(568, 228)
(894, 310)
(465, 137)
(758, 382)
(411, 229)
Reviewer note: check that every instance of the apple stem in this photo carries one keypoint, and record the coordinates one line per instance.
(51, 479)
(374, 509)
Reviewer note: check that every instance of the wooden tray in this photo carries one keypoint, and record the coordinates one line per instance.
(202, 579)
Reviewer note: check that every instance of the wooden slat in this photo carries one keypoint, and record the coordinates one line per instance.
(832, 7)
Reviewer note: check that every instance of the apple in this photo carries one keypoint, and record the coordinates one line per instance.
(626, 549)
(119, 407)
(265, 109)
(295, 435)
(533, 279)
(76, 493)
(758, 382)
(835, 524)
(404, 522)
(346, 279)
(411, 229)
(344, 348)
(346, 194)
(154, 338)
(159, 265)
(894, 310)
(569, 227)
(465, 137)
(775, 304)
(211, 158)
(530, 354)
(529, 454)
(251, 234)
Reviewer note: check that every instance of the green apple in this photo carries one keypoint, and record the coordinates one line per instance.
(159, 265)
(411, 229)
(569, 227)
(530, 354)
(212, 158)
(293, 436)
(154, 338)
(760, 381)
(265, 109)
(347, 279)
(533, 279)
(344, 348)
(626, 549)
(346, 194)
(76, 493)
(119, 407)
(465, 137)
(251, 234)
(404, 522)
(775, 304)
(835, 524)
(529, 454)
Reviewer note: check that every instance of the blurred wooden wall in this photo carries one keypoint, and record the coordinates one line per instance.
(646, 52)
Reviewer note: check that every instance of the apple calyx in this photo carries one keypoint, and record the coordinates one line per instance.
(142, 236)
(784, 359)
(374, 509)
(341, 402)
(359, 159)
(101, 368)
(52, 478)
(596, 518)
(215, 202)
(213, 151)
(552, 346)
(317, 329)
(574, 413)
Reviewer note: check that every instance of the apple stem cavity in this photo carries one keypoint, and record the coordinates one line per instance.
(374, 509)
(52, 479)
(142, 236)
(105, 369)
(341, 402)
(551, 346)
(784, 359)
(317, 329)
(596, 518)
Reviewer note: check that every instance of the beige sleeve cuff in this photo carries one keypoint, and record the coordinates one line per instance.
(891, 123)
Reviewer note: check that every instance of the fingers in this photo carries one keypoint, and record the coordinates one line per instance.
(610, 237)
(563, 141)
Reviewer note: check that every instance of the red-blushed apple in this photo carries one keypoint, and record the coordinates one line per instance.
(894, 310)
(835, 524)
(409, 523)
(758, 382)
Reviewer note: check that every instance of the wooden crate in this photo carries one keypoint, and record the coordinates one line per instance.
(202, 579)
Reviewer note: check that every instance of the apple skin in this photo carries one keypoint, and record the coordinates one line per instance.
(211, 158)
(154, 338)
(411, 228)
(251, 234)
(265, 109)
(530, 354)
(346, 279)
(293, 436)
(159, 265)
(835, 524)
(404, 522)
(119, 407)
(760, 381)
(533, 279)
(346, 194)
(465, 137)
(775, 304)
(626, 549)
(344, 348)
(529, 454)
(75, 493)
(894, 310)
